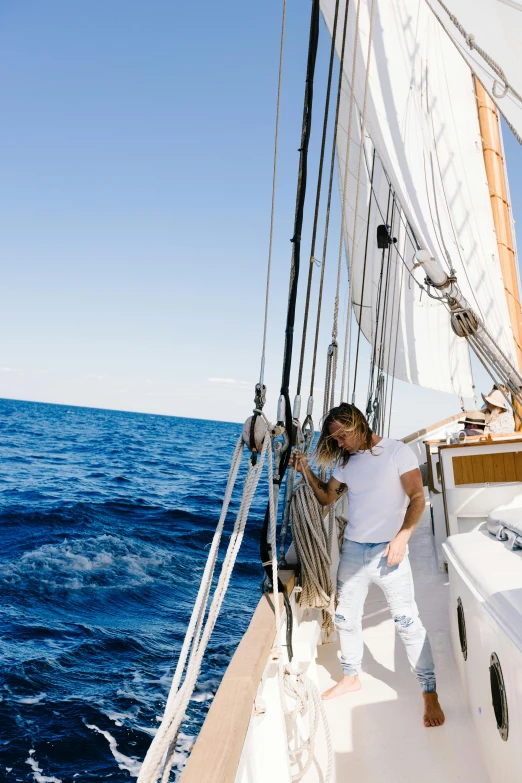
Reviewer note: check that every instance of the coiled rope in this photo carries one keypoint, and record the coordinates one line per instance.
(311, 545)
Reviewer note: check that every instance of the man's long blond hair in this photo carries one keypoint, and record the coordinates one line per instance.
(328, 452)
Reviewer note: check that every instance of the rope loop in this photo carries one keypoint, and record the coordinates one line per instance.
(504, 89)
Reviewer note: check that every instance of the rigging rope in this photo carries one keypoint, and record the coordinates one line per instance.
(317, 199)
(274, 181)
(396, 341)
(347, 345)
(470, 40)
(390, 339)
(300, 200)
(345, 182)
(158, 760)
(371, 381)
(364, 278)
(329, 199)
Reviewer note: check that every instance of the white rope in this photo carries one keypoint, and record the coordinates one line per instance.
(158, 760)
(307, 701)
(274, 182)
(317, 592)
(470, 40)
(345, 180)
(313, 547)
(293, 683)
(347, 346)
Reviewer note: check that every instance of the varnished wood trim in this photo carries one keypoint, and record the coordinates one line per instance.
(431, 478)
(216, 754)
(432, 427)
(478, 441)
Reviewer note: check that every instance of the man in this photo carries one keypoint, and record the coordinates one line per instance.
(386, 501)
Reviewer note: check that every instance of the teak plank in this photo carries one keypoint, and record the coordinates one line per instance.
(467, 470)
(489, 468)
(477, 469)
(509, 466)
(457, 470)
(518, 465)
(498, 466)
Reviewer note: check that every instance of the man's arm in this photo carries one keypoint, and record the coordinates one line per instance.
(325, 493)
(412, 483)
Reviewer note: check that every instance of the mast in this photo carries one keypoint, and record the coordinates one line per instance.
(500, 207)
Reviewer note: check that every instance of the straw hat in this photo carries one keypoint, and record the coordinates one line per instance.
(474, 419)
(496, 398)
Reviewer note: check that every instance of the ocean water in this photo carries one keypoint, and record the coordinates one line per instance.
(105, 522)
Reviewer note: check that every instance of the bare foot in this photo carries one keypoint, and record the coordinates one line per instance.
(433, 715)
(346, 685)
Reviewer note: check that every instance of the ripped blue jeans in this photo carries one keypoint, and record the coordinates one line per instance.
(364, 563)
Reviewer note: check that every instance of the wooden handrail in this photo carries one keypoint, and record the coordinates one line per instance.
(419, 433)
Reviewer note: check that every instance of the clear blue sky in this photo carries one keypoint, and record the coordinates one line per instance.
(136, 152)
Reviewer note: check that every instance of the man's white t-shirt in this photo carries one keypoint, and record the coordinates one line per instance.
(377, 500)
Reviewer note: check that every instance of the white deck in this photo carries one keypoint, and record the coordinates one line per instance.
(378, 734)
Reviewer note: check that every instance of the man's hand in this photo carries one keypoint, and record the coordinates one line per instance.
(325, 493)
(396, 549)
(299, 461)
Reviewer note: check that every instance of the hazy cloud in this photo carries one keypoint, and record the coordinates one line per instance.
(229, 381)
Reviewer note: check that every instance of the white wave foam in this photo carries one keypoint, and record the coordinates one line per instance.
(37, 771)
(200, 697)
(131, 764)
(147, 730)
(120, 717)
(103, 561)
(33, 699)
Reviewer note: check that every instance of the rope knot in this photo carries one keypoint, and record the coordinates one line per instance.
(470, 40)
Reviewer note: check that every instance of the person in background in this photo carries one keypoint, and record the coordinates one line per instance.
(474, 423)
(499, 419)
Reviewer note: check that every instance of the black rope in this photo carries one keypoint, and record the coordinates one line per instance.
(300, 197)
(317, 198)
(329, 199)
(292, 297)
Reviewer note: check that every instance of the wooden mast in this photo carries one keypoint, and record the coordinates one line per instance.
(500, 207)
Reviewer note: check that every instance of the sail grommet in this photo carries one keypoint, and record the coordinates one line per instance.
(499, 696)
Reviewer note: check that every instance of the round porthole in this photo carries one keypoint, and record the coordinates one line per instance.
(498, 696)
(462, 629)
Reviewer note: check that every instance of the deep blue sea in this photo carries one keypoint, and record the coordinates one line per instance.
(105, 522)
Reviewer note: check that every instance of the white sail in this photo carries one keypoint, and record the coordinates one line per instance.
(488, 34)
(422, 120)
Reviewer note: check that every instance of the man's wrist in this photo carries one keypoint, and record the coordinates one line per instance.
(404, 534)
